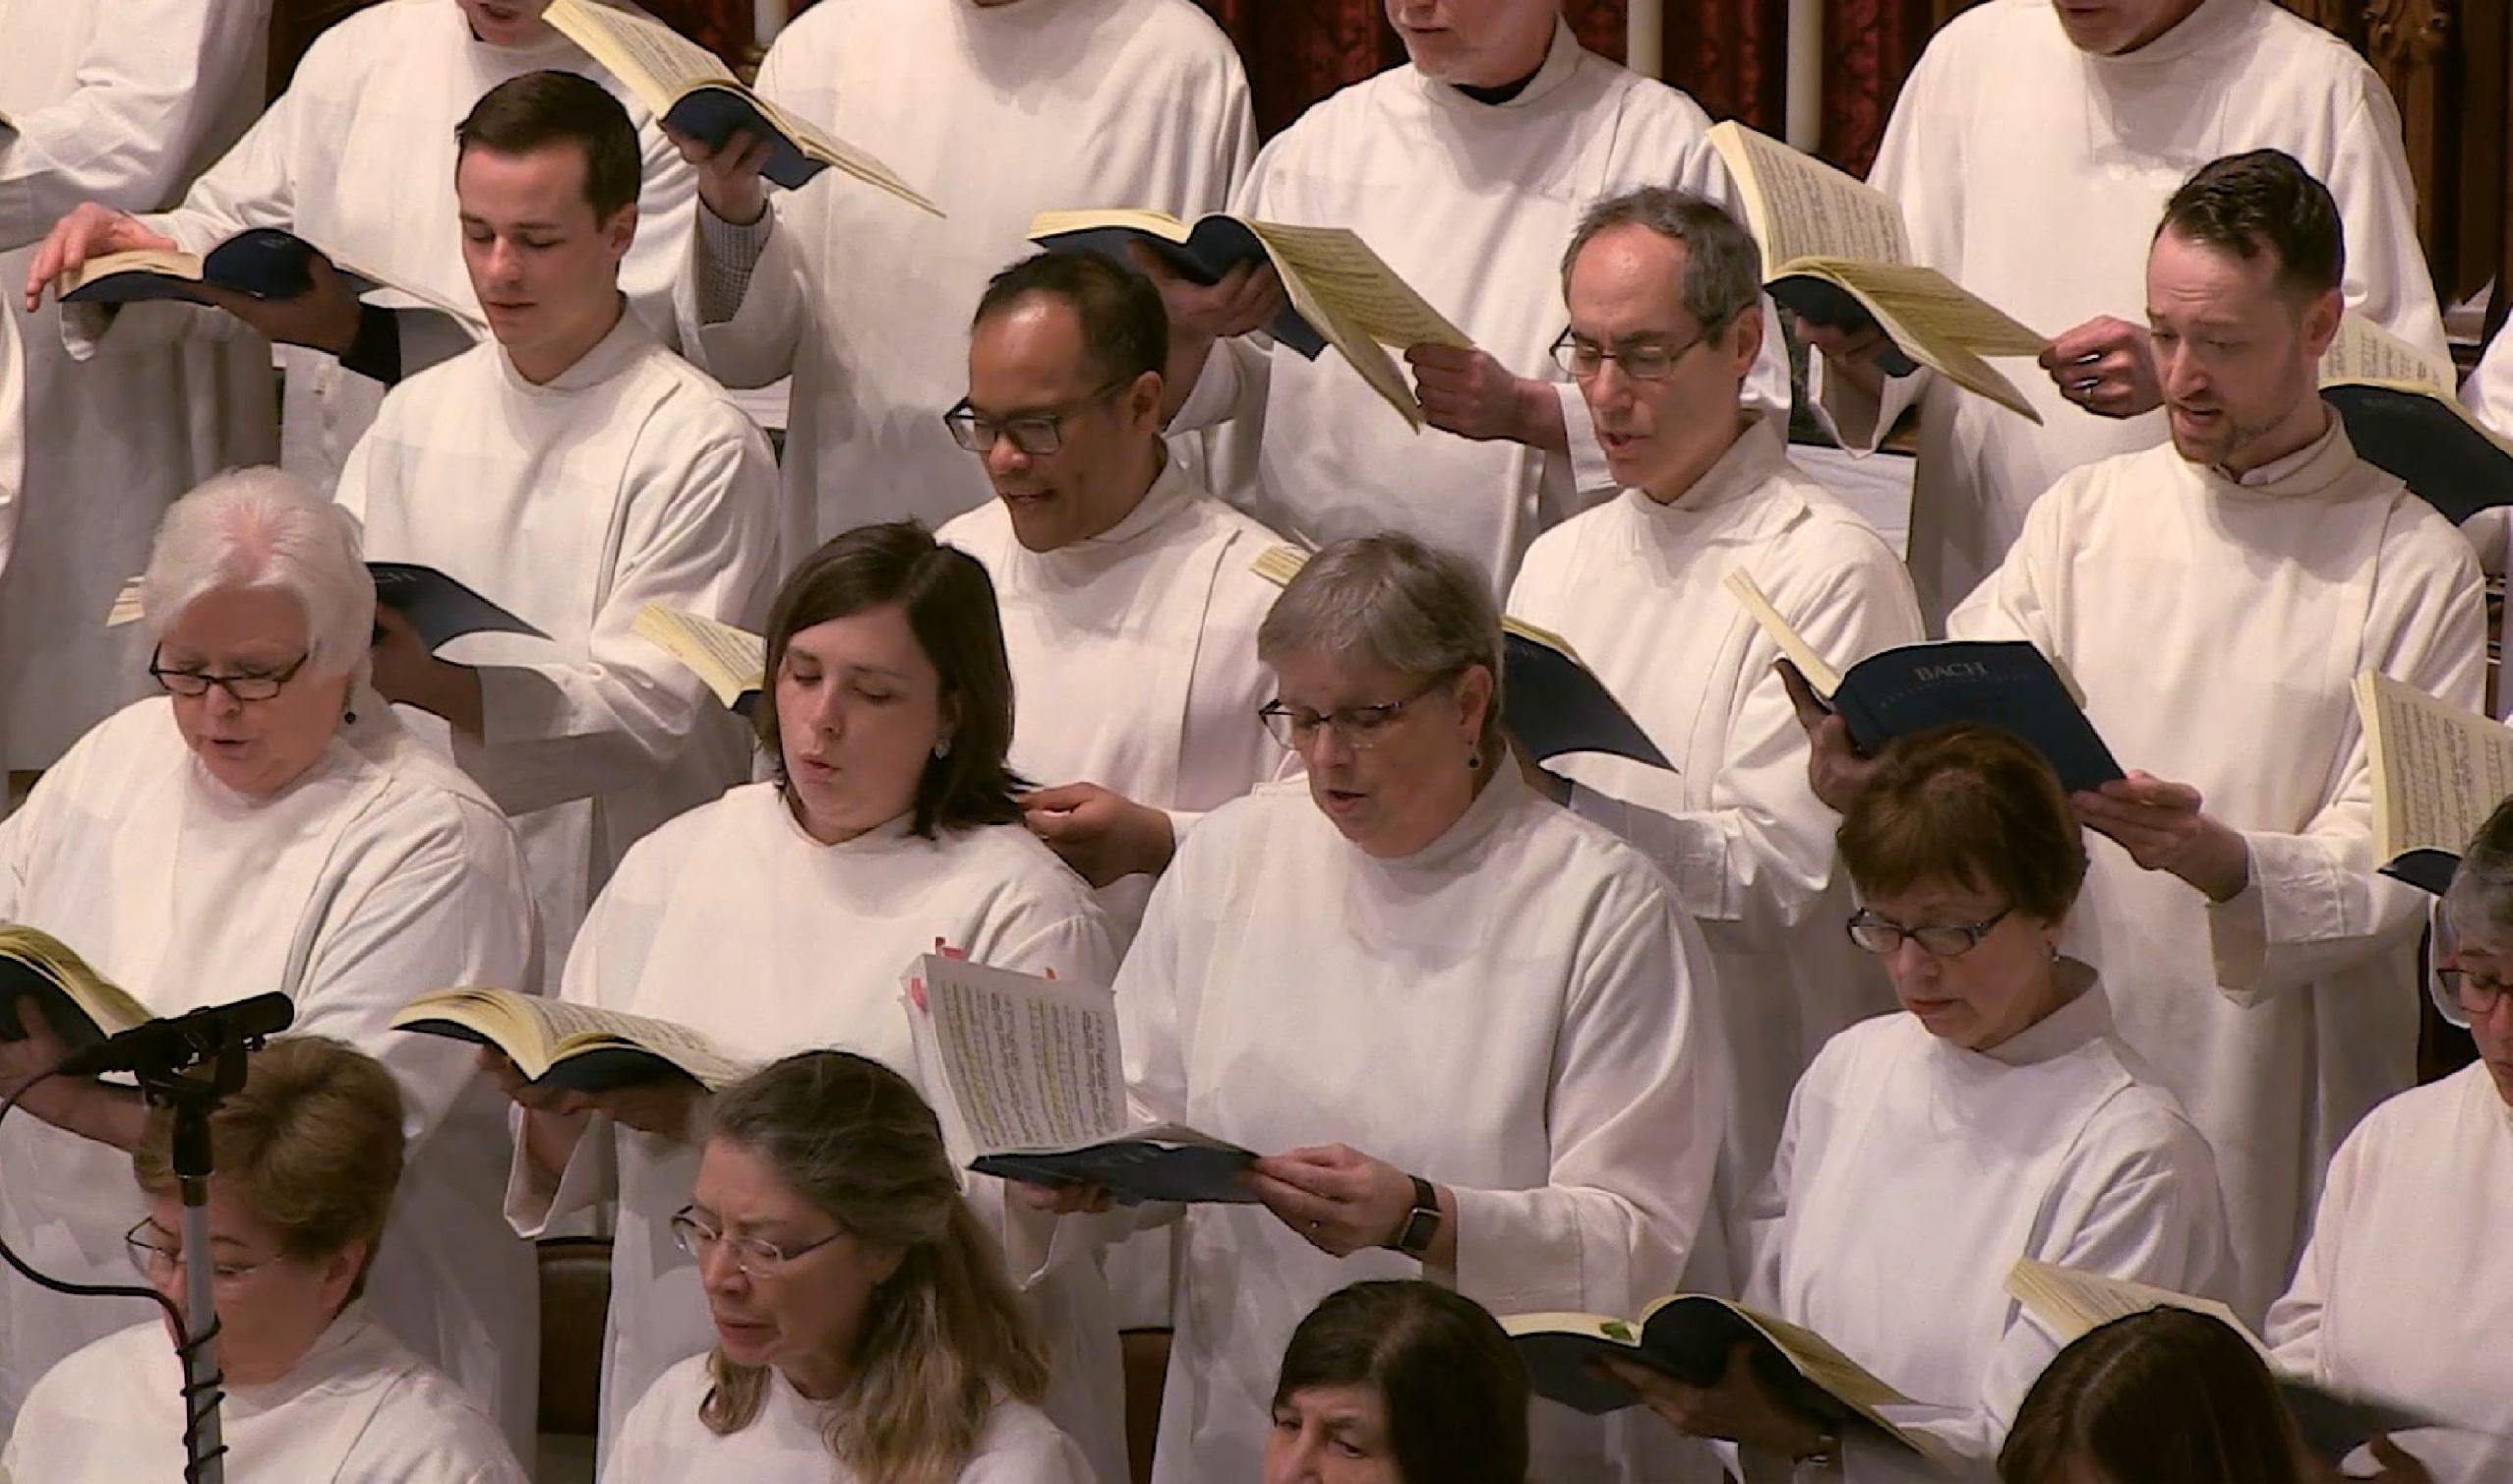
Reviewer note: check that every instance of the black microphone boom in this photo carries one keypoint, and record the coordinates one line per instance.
(171, 1045)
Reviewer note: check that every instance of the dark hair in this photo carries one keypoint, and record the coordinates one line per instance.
(1455, 1390)
(2263, 199)
(1970, 806)
(2481, 895)
(541, 109)
(1125, 329)
(1723, 274)
(949, 604)
(2166, 1397)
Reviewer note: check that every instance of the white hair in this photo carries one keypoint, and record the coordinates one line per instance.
(262, 528)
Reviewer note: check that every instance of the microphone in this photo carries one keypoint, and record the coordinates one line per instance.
(171, 1045)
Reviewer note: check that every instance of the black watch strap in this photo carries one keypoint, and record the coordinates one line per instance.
(1421, 1223)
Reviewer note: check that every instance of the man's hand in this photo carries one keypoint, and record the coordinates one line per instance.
(1339, 1199)
(1102, 834)
(664, 1106)
(2106, 366)
(1465, 391)
(90, 231)
(1740, 1409)
(405, 671)
(1836, 770)
(1244, 299)
(324, 317)
(728, 179)
(2164, 828)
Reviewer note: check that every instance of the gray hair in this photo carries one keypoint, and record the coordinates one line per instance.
(1408, 607)
(2480, 896)
(262, 528)
(1723, 268)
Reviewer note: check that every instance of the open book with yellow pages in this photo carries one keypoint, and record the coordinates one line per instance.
(576, 1047)
(2404, 418)
(691, 89)
(39, 972)
(1340, 293)
(259, 262)
(1825, 234)
(2438, 771)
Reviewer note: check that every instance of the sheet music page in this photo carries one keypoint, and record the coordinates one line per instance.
(2438, 772)
(657, 62)
(729, 660)
(1823, 1363)
(1357, 286)
(1806, 208)
(2072, 1303)
(1160, 224)
(1031, 1062)
(165, 260)
(2362, 351)
(820, 144)
(1748, 593)
(687, 1049)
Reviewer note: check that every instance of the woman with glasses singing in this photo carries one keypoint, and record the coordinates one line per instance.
(785, 914)
(268, 825)
(2406, 1285)
(305, 1160)
(1464, 1024)
(1925, 1152)
(864, 1327)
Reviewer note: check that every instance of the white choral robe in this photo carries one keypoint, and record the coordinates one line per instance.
(2034, 174)
(357, 157)
(119, 104)
(995, 113)
(1472, 203)
(2489, 390)
(665, 1443)
(628, 479)
(359, 1409)
(2216, 629)
(1636, 586)
(1912, 1174)
(1518, 1011)
(2406, 1287)
(732, 921)
(380, 874)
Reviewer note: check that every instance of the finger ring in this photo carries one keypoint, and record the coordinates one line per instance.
(2089, 384)
(1314, 1226)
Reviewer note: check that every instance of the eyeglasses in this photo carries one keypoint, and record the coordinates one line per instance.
(1881, 936)
(2478, 995)
(243, 686)
(753, 1256)
(1360, 726)
(159, 1264)
(1036, 433)
(1640, 360)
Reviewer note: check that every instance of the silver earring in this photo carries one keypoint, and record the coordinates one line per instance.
(942, 749)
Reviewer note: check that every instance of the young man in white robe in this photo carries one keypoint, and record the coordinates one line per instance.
(1464, 169)
(121, 104)
(357, 157)
(2216, 599)
(573, 470)
(2032, 145)
(1666, 325)
(995, 110)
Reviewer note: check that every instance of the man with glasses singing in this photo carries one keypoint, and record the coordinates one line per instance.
(1665, 328)
(1130, 596)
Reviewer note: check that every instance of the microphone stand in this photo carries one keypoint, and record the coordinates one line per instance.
(190, 1096)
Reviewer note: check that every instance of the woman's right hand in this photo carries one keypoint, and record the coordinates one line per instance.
(728, 179)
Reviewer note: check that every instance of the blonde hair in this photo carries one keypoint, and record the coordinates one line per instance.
(263, 528)
(944, 1336)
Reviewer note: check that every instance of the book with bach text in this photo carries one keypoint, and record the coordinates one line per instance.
(1826, 235)
(2007, 684)
(575, 1047)
(2403, 417)
(42, 976)
(440, 608)
(1337, 291)
(2438, 772)
(691, 89)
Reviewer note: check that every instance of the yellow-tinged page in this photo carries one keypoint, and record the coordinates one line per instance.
(2364, 352)
(1801, 207)
(730, 660)
(2438, 772)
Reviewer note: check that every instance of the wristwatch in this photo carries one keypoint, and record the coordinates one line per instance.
(1825, 1462)
(1420, 1225)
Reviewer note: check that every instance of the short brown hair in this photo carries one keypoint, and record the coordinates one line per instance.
(1454, 1390)
(541, 109)
(950, 608)
(312, 1144)
(2166, 1397)
(2264, 200)
(1125, 328)
(1969, 806)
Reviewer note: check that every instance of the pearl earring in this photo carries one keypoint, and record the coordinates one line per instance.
(942, 749)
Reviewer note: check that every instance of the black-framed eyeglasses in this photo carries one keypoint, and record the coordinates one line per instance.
(1360, 726)
(243, 686)
(753, 1256)
(1037, 434)
(1640, 358)
(159, 1264)
(1881, 935)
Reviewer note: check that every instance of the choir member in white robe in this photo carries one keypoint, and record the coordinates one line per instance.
(2489, 390)
(306, 1158)
(892, 825)
(200, 848)
(865, 1327)
(2001, 1118)
(1666, 324)
(596, 473)
(1398, 1379)
(2216, 599)
(2406, 1289)
(121, 104)
(357, 158)
(995, 111)
(1464, 169)
(2031, 150)
(1463, 1026)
